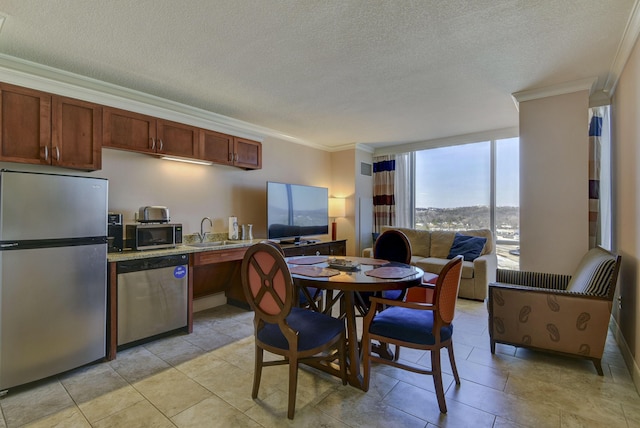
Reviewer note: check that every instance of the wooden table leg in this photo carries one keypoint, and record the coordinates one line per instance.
(353, 351)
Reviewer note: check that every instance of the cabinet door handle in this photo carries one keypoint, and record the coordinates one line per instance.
(161, 144)
(57, 153)
(46, 153)
(153, 143)
(235, 157)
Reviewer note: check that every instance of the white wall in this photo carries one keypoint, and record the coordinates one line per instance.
(626, 183)
(554, 182)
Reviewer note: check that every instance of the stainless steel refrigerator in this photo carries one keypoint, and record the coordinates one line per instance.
(53, 274)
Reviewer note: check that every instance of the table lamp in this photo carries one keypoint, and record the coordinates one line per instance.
(336, 209)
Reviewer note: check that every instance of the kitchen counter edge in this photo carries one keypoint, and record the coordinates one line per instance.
(181, 249)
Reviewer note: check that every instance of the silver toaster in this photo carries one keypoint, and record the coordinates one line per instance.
(153, 214)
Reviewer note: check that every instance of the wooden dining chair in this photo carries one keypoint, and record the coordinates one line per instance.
(281, 327)
(309, 294)
(415, 325)
(394, 246)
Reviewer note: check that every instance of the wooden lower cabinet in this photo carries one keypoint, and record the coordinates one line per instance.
(332, 248)
(218, 271)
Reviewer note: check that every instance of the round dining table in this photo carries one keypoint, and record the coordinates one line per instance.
(343, 278)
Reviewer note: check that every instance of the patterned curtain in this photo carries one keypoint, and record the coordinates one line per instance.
(384, 206)
(595, 135)
(403, 190)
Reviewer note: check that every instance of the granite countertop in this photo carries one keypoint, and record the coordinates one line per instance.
(190, 246)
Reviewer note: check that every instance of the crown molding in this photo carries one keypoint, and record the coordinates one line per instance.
(550, 91)
(48, 79)
(496, 134)
(629, 38)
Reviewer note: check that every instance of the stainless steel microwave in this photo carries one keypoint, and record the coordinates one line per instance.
(153, 236)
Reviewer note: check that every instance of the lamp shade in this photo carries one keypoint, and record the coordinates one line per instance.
(336, 207)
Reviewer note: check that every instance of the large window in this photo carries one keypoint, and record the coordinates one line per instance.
(471, 186)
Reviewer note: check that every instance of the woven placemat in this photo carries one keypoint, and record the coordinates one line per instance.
(308, 260)
(313, 271)
(391, 272)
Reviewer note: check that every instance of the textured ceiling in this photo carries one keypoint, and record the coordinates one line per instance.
(331, 72)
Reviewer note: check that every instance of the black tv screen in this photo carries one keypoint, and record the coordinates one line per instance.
(295, 210)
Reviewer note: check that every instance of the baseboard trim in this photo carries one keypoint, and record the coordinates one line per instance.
(209, 302)
(634, 370)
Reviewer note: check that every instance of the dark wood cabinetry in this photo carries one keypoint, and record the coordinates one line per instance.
(145, 134)
(128, 131)
(140, 133)
(40, 128)
(332, 248)
(217, 271)
(76, 134)
(216, 147)
(229, 150)
(247, 153)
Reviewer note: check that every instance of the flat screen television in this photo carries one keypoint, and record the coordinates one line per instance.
(295, 211)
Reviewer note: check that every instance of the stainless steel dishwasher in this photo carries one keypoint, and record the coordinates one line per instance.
(152, 297)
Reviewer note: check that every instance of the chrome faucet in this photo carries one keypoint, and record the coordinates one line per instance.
(202, 233)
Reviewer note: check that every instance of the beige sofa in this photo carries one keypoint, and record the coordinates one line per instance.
(429, 251)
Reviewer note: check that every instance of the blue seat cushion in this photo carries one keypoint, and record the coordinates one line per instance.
(392, 294)
(314, 329)
(408, 325)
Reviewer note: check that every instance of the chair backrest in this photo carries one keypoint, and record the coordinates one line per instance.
(392, 245)
(274, 245)
(446, 292)
(267, 282)
(596, 274)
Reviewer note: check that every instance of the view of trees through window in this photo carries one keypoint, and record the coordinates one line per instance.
(471, 186)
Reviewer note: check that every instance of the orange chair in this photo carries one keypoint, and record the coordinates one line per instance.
(417, 325)
(310, 294)
(281, 327)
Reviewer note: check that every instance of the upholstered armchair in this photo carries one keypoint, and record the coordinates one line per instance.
(566, 314)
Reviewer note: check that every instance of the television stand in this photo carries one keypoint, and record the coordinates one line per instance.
(299, 241)
(304, 248)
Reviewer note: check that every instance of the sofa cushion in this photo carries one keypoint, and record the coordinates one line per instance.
(441, 241)
(470, 247)
(420, 240)
(593, 273)
(435, 265)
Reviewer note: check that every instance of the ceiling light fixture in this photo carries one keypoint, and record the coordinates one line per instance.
(197, 162)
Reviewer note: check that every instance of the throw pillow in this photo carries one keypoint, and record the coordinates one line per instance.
(469, 247)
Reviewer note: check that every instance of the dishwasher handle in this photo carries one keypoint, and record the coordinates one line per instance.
(150, 263)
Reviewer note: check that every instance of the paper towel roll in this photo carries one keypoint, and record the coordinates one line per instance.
(233, 227)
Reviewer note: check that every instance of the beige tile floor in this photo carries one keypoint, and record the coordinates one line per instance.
(204, 380)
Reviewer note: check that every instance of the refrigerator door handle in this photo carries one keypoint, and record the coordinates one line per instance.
(9, 245)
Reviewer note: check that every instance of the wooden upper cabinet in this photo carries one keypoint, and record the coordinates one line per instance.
(129, 131)
(76, 134)
(216, 147)
(25, 121)
(247, 153)
(176, 139)
(145, 134)
(45, 129)
(229, 150)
